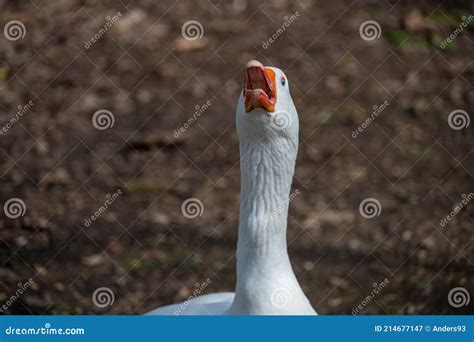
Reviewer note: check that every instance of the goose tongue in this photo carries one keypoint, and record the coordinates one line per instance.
(259, 89)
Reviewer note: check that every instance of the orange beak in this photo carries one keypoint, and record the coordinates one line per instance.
(259, 87)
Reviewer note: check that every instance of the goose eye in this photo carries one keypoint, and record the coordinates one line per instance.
(283, 81)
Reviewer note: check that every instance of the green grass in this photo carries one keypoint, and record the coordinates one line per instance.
(404, 39)
(452, 18)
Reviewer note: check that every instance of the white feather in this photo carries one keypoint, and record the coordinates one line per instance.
(266, 283)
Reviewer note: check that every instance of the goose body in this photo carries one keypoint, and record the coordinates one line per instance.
(267, 126)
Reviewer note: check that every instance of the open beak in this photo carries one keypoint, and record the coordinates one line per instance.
(259, 87)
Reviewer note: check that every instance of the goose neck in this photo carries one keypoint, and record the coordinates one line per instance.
(266, 175)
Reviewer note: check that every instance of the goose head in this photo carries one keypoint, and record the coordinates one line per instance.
(265, 111)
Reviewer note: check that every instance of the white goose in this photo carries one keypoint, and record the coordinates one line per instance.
(267, 126)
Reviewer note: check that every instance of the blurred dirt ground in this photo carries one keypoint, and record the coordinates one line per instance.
(151, 79)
